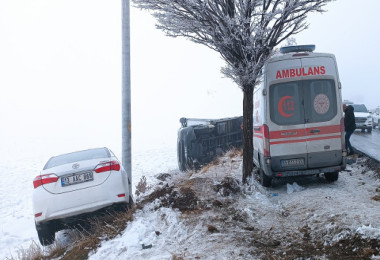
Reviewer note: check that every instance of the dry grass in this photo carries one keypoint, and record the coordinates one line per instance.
(217, 161)
(376, 197)
(104, 227)
(234, 153)
(57, 250)
(207, 167)
(82, 248)
(142, 186)
(37, 252)
(188, 183)
(34, 252)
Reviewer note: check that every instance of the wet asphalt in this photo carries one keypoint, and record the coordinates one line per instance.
(367, 143)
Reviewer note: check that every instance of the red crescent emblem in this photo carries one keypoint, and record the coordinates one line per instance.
(286, 103)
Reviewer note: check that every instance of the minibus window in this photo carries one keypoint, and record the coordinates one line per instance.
(286, 103)
(320, 100)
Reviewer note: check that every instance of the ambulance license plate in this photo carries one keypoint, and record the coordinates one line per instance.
(293, 162)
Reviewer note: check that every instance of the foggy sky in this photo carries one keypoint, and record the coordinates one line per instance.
(60, 64)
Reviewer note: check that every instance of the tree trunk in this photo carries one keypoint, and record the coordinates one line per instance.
(247, 133)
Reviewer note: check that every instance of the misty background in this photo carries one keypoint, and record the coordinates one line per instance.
(60, 73)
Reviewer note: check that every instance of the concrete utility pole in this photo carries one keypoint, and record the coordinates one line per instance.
(126, 90)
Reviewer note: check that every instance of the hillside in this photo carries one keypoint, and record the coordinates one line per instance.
(210, 215)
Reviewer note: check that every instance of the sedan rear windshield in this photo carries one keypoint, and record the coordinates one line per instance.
(76, 157)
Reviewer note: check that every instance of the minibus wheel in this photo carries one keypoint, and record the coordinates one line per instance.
(331, 176)
(265, 180)
(185, 162)
(181, 156)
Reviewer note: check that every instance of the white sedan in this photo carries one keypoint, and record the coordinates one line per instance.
(74, 185)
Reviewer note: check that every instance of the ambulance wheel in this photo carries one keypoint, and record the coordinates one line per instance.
(265, 180)
(331, 176)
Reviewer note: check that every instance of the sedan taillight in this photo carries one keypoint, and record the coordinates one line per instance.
(44, 179)
(107, 166)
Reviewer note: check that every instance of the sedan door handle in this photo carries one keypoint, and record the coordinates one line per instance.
(315, 131)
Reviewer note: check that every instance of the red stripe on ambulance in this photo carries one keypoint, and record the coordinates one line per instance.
(303, 140)
(295, 135)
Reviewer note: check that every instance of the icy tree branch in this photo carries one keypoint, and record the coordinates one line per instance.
(244, 32)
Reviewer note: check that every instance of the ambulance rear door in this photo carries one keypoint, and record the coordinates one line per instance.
(322, 117)
(288, 148)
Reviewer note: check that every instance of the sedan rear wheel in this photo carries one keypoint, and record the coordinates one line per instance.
(46, 233)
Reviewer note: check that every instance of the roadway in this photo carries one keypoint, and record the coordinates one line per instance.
(367, 143)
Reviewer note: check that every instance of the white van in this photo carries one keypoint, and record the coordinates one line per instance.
(298, 116)
(363, 118)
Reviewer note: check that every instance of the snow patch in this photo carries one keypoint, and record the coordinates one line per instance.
(146, 237)
(369, 232)
(293, 188)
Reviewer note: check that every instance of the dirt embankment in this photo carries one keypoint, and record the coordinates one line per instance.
(321, 221)
(209, 214)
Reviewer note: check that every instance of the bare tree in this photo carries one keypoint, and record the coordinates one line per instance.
(244, 32)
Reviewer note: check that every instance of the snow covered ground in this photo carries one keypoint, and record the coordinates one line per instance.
(225, 223)
(213, 220)
(22, 160)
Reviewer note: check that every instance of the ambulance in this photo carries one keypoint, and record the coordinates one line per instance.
(298, 116)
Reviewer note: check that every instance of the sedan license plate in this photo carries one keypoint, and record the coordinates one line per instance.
(292, 162)
(77, 178)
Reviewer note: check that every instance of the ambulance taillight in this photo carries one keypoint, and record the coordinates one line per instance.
(266, 141)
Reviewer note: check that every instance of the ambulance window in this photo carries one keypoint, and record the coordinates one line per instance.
(286, 103)
(320, 100)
